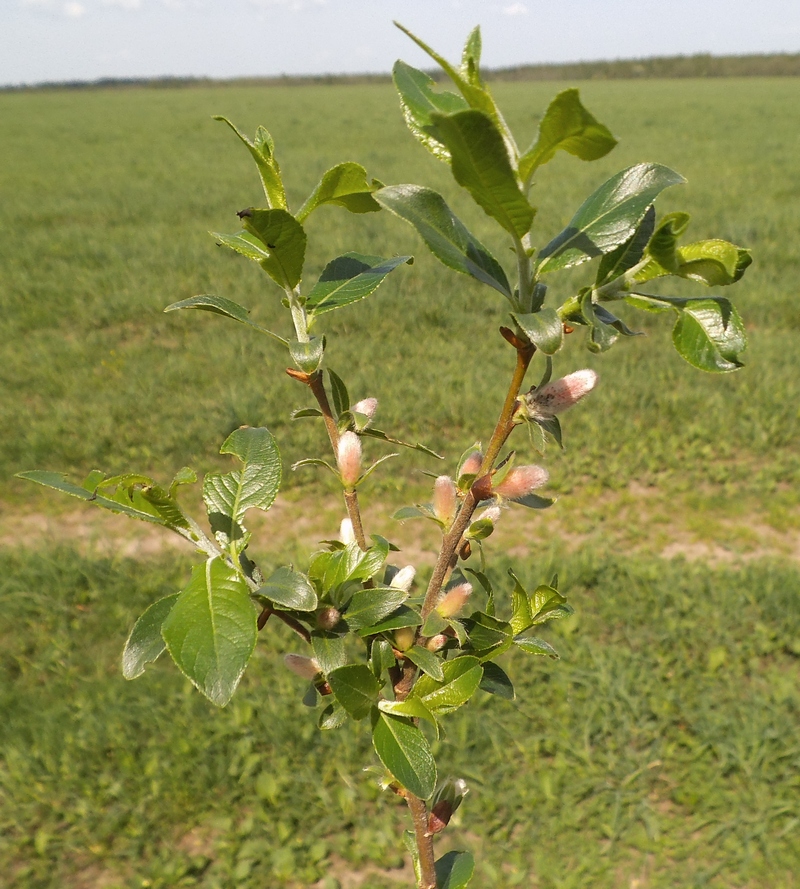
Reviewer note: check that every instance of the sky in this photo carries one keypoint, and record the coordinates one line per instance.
(67, 40)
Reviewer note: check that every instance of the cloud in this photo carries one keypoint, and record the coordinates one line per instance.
(74, 10)
(515, 9)
(294, 5)
(124, 4)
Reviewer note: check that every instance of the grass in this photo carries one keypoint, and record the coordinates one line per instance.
(107, 223)
(660, 752)
(661, 748)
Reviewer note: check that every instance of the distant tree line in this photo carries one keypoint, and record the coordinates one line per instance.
(702, 65)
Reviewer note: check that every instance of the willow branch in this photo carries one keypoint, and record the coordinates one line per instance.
(502, 430)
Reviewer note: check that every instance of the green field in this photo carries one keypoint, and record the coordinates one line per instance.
(660, 752)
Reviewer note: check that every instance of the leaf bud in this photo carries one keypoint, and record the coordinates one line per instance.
(403, 579)
(304, 667)
(454, 600)
(328, 618)
(557, 396)
(437, 642)
(447, 797)
(346, 533)
(348, 458)
(445, 499)
(404, 638)
(472, 465)
(521, 481)
(367, 406)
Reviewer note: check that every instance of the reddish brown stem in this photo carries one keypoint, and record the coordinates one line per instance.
(419, 813)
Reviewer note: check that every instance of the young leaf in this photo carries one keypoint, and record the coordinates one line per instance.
(488, 636)
(495, 681)
(211, 630)
(332, 717)
(405, 752)
(454, 870)
(462, 677)
(256, 484)
(145, 644)
(419, 101)
(713, 262)
(403, 617)
(627, 255)
(339, 393)
(355, 688)
(289, 589)
(412, 708)
(567, 126)
(543, 328)
(471, 57)
(710, 335)
(608, 217)
(349, 278)
(532, 645)
(447, 237)
(329, 650)
(426, 661)
(346, 185)
(221, 306)
(137, 499)
(263, 152)
(480, 164)
(308, 356)
(368, 607)
(283, 241)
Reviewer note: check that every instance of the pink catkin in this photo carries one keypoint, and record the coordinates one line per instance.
(472, 464)
(445, 499)
(367, 406)
(304, 667)
(454, 600)
(349, 458)
(557, 396)
(521, 481)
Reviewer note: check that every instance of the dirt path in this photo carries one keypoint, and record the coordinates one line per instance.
(638, 520)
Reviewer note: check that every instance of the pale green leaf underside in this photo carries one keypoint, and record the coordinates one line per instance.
(145, 643)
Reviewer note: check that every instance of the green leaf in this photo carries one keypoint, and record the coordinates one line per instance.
(419, 101)
(664, 240)
(713, 262)
(627, 255)
(346, 185)
(339, 393)
(289, 589)
(412, 708)
(381, 657)
(369, 607)
(283, 241)
(532, 645)
(349, 278)
(546, 604)
(488, 636)
(256, 484)
(543, 328)
(221, 306)
(355, 688)
(426, 660)
(495, 681)
(405, 752)
(135, 496)
(471, 57)
(415, 446)
(470, 86)
(480, 164)
(308, 356)
(412, 512)
(567, 126)
(454, 870)
(403, 617)
(521, 616)
(535, 501)
(211, 630)
(145, 643)
(332, 717)
(462, 677)
(710, 335)
(263, 152)
(447, 237)
(329, 650)
(608, 217)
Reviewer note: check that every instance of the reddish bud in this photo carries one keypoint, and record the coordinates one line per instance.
(440, 816)
(437, 642)
(445, 499)
(304, 667)
(555, 397)
(521, 481)
(328, 618)
(348, 458)
(454, 600)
